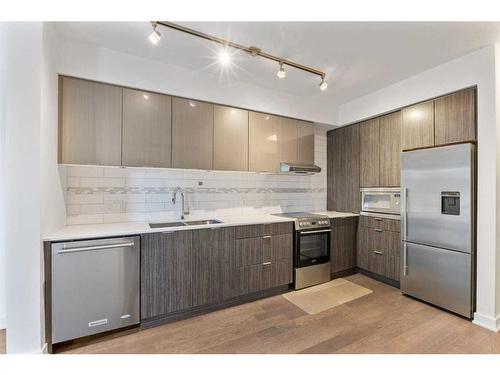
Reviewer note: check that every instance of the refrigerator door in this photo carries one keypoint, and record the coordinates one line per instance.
(438, 276)
(436, 191)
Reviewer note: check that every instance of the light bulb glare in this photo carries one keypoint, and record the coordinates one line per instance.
(154, 37)
(281, 72)
(323, 85)
(224, 57)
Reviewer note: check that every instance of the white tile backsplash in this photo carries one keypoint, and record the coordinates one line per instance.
(96, 194)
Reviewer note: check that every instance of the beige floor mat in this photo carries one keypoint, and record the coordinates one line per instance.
(325, 296)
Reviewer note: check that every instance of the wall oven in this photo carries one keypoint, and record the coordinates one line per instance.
(380, 201)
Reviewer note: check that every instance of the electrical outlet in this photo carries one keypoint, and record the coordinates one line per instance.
(115, 206)
(200, 183)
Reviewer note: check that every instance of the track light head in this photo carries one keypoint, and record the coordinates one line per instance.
(323, 85)
(281, 72)
(155, 36)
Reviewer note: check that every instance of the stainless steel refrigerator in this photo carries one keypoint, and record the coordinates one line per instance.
(438, 226)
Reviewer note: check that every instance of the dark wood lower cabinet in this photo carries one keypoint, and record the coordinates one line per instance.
(343, 244)
(185, 270)
(378, 249)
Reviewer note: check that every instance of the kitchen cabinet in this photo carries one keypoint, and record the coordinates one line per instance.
(166, 278)
(343, 169)
(287, 141)
(455, 117)
(378, 246)
(147, 129)
(90, 122)
(369, 147)
(390, 149)
(343, 244)
(192, 134)
(305, 142)
(418, 126)
(264, 152)
(230, 139)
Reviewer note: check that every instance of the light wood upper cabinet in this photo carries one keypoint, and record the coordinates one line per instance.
(90, 122)
(192, 134)
(418, 126)
(390, 149)
(263, 142)
(305, 140)
(287, 141)
(455, 117)
(369, 147)
(230, 139)
(147, 129)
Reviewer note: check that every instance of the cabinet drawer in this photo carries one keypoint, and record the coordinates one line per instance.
(262, 249)
(259, 230)
(392, 225)
(337, 221)
(259, 277)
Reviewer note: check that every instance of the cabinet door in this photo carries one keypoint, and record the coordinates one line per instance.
(365, 246)
(230, 139)
(166, 265)
(343, 246)
(90, 122)
(263, 142)
(192, 134)
(390, 149)
(305, 142)
(350, 163)
(418, 126)
(287, 141)
(212, 250)
(369, 147)
(390, 245)
(147, 129)
(455, 117)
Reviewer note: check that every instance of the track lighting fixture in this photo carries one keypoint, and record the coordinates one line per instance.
(281, 73)
(323, 85)
(155, 36)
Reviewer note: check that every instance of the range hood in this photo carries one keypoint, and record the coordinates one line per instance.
(299, 168)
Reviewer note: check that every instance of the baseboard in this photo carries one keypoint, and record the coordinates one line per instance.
(3, 322)
(486, 322)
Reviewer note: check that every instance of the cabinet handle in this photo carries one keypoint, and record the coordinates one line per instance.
(378, 230)
(266, 237)
(96, 247)
(378, 252)
(169, 232)
(377, 218)
(405, 259)
(266, 263)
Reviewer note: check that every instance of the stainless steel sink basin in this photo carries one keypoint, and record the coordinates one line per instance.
(174, 224)
(203, 222)
(167, 225)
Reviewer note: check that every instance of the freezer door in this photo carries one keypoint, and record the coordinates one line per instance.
(95, 286)
(438, 276)
(436, 191)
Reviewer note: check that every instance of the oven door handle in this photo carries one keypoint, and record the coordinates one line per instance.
(315, 231)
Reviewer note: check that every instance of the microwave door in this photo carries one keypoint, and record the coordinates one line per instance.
(436, 189)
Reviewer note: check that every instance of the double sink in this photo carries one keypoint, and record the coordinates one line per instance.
(184, 223)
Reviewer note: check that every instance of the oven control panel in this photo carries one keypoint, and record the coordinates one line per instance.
(313, 223)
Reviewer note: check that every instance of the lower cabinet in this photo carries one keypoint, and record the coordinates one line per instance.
(378, 246)
(182, 270)
(343, 244)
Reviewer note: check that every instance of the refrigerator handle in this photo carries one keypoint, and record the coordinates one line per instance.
(405, 256)
(405, 214)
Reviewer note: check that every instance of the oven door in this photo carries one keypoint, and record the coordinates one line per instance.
(312, 247)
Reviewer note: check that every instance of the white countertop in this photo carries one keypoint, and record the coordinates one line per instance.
(85, 231)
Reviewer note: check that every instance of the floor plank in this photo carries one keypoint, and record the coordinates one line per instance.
(384, 321)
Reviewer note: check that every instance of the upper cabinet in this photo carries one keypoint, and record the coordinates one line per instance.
(287, 141)
(390, 148)
(230, 139)
(90, 122)
(418, 126)
(263, 142)
(370, 153)
(305, 135)
(192, 134)
(147, 129)
(455, 117)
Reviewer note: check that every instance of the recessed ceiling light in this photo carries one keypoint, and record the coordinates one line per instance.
(281, 73)
(224, 57)
(155, 36)
(323, 85)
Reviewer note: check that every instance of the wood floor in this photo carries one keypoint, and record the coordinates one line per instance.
(3, 347)
(381, 322)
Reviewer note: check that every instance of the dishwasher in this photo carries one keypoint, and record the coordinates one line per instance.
(95, 286)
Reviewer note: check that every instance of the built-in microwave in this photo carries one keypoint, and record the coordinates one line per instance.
(381, 200)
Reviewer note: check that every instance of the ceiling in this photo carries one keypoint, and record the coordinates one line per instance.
(358, 57)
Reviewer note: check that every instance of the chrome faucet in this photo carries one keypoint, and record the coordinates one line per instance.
(174, 196)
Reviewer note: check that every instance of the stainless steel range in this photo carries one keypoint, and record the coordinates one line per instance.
(311, 242)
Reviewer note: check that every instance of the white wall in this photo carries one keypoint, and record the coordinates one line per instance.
(101, 64)
(3, 74)
(21, 180)
(478, 68)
